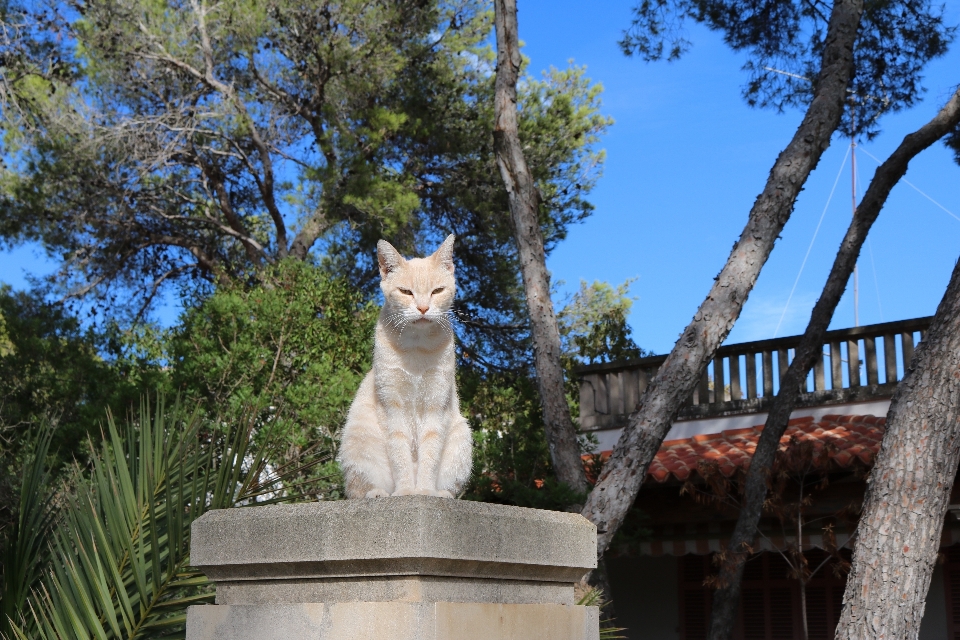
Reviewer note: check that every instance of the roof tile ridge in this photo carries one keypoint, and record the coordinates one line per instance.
(741, 431)
(705, 437)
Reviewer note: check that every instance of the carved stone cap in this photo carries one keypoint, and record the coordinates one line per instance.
(402, 536)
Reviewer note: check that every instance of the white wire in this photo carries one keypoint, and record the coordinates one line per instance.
(812, 240)
(914, 187)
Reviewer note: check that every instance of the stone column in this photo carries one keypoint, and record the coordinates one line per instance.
(410, 568)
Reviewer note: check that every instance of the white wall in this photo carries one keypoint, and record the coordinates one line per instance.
(607, 438)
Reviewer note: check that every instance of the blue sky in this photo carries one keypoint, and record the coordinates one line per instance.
(685, 161)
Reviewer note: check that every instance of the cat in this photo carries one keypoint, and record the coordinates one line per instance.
(404, 434)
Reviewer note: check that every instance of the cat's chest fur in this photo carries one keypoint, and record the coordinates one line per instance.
(414, 378)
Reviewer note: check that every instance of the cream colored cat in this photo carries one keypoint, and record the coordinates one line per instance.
(404, 433)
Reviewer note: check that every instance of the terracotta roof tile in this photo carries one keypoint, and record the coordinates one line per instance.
(855, 439)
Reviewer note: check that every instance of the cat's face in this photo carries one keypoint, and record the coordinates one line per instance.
(420, 290)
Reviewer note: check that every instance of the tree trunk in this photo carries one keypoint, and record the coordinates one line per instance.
(524, 199)
(624, 472)
(727, 597)
(898, 536)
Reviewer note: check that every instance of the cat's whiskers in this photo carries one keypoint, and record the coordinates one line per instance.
(444, 324)
(448, 317)
(396, 320)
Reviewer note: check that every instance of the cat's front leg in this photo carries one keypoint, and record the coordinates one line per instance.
(400, 448)
(430, 439)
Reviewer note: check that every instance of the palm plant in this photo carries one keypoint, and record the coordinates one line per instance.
(25, 550)
(120, 565)
(589, 596)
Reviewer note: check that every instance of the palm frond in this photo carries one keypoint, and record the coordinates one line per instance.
(24, 555)
(121, 566)
(589, 596)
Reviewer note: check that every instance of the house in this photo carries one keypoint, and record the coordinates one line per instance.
(686, 508)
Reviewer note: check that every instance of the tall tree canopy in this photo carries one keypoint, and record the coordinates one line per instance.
(895, 40)
(186, 143)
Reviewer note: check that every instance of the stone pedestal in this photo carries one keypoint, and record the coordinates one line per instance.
(411, 568)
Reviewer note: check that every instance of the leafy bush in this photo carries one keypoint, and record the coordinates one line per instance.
(296, 345)
(54, 369)
(511, 458)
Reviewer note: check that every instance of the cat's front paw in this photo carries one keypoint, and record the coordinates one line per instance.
(405, 492)
(377, 493)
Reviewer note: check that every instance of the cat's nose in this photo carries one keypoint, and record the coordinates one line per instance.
(423, 309)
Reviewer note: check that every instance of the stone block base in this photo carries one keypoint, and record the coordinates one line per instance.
(393, 621)
(406, 568)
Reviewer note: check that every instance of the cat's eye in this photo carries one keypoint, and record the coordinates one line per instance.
(406, 292)
(437, 290)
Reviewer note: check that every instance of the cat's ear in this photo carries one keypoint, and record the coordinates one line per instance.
(444, 255)
(388, 258)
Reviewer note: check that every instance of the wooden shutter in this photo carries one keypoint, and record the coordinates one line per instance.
(694, 597)
(818, 613)
(753, 611)
(695, 616)
(952, 583)
(769, 600)
(836, 608)
(780, 613)
(753, 569)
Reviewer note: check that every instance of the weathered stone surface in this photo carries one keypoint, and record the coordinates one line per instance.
(412, 568)
(412, 535)
(393, 621)
(394, 589)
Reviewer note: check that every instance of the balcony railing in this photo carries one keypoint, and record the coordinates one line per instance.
(743, 378)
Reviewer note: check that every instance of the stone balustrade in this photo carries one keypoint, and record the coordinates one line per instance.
(858, 364)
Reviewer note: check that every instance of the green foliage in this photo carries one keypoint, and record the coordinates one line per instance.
(593, 325)
(588, 596)
(198, 175)
(510, 455)
(6, 345)
(896, 39)
(53, 370)
(295, 345)
(460, 190)
(593, 329)
(120, 565)
(340, 123)
(58, 374)
(511, 459)
(953, 142)
(23, 541)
